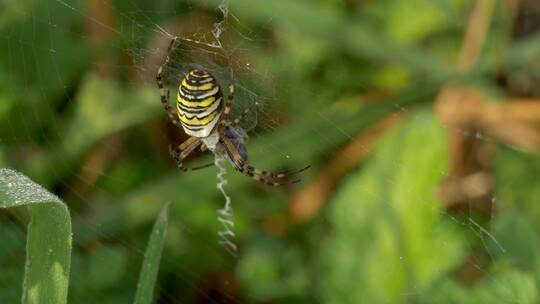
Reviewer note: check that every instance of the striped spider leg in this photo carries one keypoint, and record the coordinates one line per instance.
(228, 105)
(183, 150)
(232, 143)
(165, 93)
(244, 113)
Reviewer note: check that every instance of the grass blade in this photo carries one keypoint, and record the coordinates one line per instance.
(152, 257)
(48, 244)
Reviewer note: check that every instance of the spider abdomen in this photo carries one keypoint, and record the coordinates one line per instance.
(199, 103)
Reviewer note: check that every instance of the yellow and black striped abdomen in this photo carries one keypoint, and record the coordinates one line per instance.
(199, 103)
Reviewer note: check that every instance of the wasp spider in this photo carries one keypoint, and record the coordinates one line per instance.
(204, 115)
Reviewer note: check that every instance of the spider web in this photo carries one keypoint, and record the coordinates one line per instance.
(42, 65)
(142, 35)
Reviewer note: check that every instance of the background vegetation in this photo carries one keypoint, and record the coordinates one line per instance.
(420, 118)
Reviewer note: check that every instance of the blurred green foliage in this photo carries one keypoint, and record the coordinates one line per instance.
(83, 118)
(399, 217)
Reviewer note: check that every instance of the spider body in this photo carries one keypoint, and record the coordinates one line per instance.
(199, 103)
(204, 115)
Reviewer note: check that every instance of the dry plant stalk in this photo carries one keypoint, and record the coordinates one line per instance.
(467, 113)
(457, 107)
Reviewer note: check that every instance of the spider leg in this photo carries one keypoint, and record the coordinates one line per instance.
(183, 150)
(230, 97)
(273, 175)
(264, 177)
(204, 147)
(241, 116)
(164, 93)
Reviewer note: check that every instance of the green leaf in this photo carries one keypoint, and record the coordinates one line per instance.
(152, 257)
(389, 237)
(48, 242)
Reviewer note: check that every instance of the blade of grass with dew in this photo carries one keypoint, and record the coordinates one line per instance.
(152, 257)
(48, 243)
